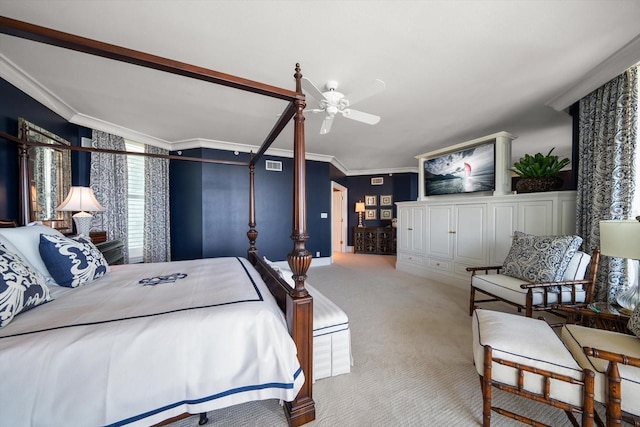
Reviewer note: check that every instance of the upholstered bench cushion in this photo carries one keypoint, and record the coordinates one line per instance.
(331, 337)
(331, 333)
(576, 337)
(526, 341)
(508, 288)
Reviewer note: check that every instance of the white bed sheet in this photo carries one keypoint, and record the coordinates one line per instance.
(115, 352)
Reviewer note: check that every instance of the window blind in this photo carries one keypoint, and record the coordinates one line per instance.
(135, 228)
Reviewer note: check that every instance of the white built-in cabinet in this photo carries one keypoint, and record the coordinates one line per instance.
(442, 236)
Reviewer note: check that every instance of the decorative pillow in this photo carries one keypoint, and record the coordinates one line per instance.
(577, 267)
(26, 240)
(21, 287)
(72, 261)
(634, 321)
(540, 259)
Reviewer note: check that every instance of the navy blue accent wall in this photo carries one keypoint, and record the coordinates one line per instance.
(185, 198)
(401, 186)
(15, 103)
(210, 205)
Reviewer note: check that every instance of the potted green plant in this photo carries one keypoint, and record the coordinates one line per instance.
(539, 172)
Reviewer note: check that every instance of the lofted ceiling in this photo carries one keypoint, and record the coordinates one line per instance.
(454, 70)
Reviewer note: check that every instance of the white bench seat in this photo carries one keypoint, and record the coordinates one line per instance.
(331, 337)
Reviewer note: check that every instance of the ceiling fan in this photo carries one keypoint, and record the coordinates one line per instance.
(333, 102)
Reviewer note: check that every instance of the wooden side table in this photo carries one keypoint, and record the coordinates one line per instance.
(112, 251)
(604, 316)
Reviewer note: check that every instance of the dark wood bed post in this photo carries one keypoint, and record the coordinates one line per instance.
(302, 409)
(252, 234)
(23, 170)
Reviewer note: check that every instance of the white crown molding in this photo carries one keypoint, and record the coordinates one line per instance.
(112, 128)
(27, 84)
(383, 171)
(625, 57)
(242, 148)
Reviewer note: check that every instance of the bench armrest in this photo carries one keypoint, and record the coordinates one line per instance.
(612, 357)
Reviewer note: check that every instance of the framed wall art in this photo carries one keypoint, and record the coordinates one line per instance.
(386, 200)
(370, 214)
(377, 181)
(386, 213)
(371, 200)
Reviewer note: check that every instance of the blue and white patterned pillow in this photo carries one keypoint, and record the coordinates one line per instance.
(540, 259)
(72, 261)
(21, 287)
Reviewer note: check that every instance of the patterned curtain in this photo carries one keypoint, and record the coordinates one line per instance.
(157, 245)
(607, 141)
(109, 184)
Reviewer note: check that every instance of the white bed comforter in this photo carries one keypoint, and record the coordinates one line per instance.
(115, 352)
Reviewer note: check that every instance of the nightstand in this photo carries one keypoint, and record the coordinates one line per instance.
(112, 251)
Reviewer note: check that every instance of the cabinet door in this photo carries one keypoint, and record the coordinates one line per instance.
(440, 231)
(470, 234)
(410, 229)
(503, 221)
(536, 217)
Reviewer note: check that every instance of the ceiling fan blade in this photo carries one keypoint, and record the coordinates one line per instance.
(326, 125)
(360, 116)
(311, 89)
(365, 91)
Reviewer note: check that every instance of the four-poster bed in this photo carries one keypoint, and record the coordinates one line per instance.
(295, 302)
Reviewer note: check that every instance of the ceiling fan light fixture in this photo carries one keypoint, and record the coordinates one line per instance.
(331, 85)
(333, 102)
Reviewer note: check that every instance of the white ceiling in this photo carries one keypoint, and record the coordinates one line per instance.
(454, 70)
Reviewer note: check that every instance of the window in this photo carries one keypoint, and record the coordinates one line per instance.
(135, 228)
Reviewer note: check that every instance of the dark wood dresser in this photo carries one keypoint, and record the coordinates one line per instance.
(374, 240)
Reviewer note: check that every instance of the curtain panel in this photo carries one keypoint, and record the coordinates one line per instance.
(157, 245)
(607, 143)
(108, 180)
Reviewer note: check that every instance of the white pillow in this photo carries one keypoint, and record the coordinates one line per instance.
(26, 241)
(577, 267)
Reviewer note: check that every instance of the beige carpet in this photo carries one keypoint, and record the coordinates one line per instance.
(411, 344)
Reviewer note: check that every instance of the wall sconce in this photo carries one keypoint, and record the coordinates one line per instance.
(81, 199)
(360, 210)
(621, 239)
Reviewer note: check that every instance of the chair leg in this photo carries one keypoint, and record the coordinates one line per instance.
(485, 382)
(588, 410)
(472, 300)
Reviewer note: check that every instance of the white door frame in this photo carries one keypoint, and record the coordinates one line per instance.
(335, 219)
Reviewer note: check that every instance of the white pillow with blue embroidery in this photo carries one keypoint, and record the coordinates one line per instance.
(21, 287)
(540, 259)
(72, 261)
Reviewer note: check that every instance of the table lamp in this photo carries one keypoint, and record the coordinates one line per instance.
(81, 199)
(360, 210)
(621, 239)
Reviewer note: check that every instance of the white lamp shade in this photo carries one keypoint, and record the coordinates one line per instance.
(359, 206)
(620, 239)
(80, 199)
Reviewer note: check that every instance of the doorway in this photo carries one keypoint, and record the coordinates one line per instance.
(339, 222)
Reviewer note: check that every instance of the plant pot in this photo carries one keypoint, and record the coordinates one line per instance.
(535, 185)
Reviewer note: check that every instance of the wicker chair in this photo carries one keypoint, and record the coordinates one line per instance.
(577, 286)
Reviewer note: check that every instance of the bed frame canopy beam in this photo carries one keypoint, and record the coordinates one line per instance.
(57, 38)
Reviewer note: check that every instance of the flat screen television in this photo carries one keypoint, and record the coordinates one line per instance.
(465, 171)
